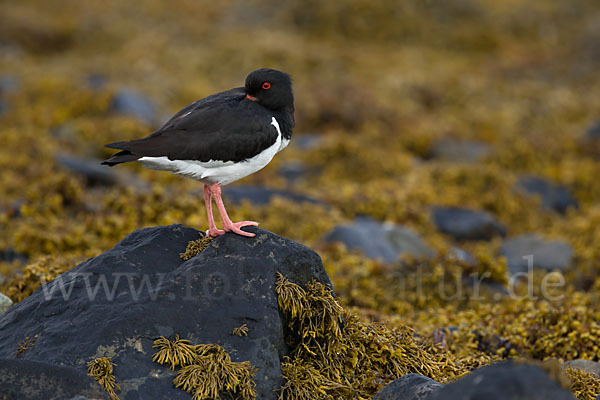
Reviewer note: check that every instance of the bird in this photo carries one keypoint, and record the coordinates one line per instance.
(220, 139)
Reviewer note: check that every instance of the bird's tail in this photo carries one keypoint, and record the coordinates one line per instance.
(121, 157)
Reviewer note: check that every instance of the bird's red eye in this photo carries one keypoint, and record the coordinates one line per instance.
(266, 85)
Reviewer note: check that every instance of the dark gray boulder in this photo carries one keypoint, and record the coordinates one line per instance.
(466, 224)
(32, 380)
(555, 255)
(116, 304)
(377, 240)
(554, 196)
(504, 381)
(408, 387)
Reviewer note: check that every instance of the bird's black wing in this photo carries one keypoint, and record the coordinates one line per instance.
(224, 126)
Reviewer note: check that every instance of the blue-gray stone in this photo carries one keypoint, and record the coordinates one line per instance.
(460, 150)
(504, 381)
(465, 224)
(260, 195)
(376, 240)
(593, 131)
(554, 196)
(132, 103)
(408, 387)
(555, 255)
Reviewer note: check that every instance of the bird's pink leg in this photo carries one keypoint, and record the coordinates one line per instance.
(228, 225)
(212, 227)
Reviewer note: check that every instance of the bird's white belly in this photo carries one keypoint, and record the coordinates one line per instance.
(215, 171)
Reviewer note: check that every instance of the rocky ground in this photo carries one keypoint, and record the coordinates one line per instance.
(437, 145)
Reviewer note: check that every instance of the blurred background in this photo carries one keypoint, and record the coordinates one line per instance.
(405, 110)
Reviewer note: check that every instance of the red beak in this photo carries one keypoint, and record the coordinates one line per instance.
(250, 97)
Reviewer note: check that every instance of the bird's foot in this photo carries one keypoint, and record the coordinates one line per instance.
(215, 232)
(235, 227)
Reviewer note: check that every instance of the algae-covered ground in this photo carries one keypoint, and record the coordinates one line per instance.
(380, 83)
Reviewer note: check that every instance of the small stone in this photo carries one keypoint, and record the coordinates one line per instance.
(585, 365)
(460, 150)
(8, 83)
(96, 81)
(463, 256)
(307, 141)
(554, 196)
(293, 171)
(409, 386)
(5, 303)
(546, 255)
(132, 103)
(97, 174)
(377, 240)
(465, 224)
(593, 132)
(504, 381)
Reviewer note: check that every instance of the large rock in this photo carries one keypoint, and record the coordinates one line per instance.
(544, 254)
(376, 240)
(504, 381)
(116, 304)
(554, 196)
(32, 380)
(465, 224)
(408, 387)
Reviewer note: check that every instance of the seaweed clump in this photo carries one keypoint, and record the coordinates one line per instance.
(206, 369)
(585, 385)
(101, 369)
(335, 355)
(241, 330)
(27, 344)
(195, 247)
(33, 276)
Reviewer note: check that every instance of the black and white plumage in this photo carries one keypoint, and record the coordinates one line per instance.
(221, 138)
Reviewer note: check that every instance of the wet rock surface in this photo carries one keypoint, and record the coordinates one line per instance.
(466, 224)
(547, 255)
(379, 240)
(32, 380)
(408, 387)
(116, 304)
(504, 381)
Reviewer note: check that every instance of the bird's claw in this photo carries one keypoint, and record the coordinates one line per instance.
(235, 228)
(214, 232)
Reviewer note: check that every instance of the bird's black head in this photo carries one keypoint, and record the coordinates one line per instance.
(270, 88)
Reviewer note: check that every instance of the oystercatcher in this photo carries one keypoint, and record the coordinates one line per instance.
(220, 139)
